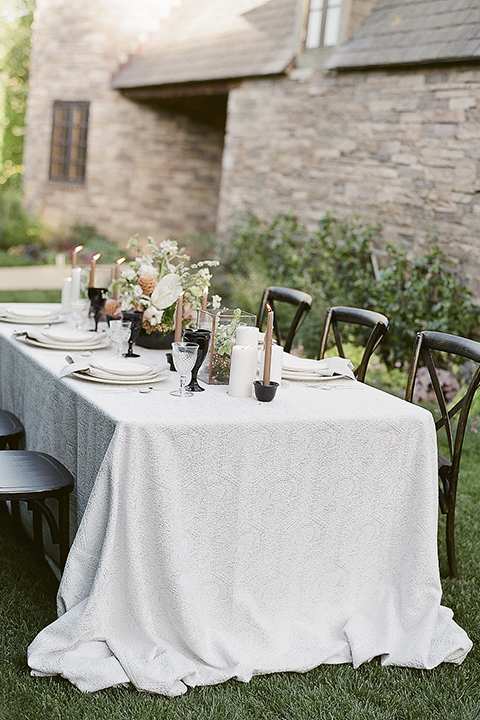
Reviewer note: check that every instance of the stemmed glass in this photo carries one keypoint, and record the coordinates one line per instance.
(135, 318)
(184, 355)
(202, 338)
(119, 332)
(79, 312)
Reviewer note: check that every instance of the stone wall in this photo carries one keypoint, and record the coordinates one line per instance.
(400, 146)
(148, 170)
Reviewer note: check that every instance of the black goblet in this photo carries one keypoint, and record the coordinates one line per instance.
(97, 297)
(202, 338)
(135, 317)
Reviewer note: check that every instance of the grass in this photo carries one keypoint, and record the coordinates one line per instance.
(30, 296)
(27, 604)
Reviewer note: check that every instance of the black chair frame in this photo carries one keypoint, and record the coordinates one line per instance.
(448, 468)
(274, 294)
(355, 316)
(45, 477)
(12, 431)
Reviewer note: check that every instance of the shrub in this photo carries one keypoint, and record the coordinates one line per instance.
(16, 226)
(336, 265)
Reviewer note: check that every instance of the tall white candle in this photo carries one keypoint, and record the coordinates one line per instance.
(75, 274)
(242, 371)
(247, 335)
(66, 292)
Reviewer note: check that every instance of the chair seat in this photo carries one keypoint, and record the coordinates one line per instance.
(11, 429)
(25, 474)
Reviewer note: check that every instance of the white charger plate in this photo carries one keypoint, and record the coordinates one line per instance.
(50, 320)
(65, 346)
(119, 381)
(31, 312)
(309, 377)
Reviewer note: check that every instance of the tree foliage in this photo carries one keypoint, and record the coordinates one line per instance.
(15, 29)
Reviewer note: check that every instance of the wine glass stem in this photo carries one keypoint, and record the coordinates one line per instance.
(183, 382)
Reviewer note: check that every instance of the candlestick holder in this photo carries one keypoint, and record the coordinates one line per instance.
(265, 393)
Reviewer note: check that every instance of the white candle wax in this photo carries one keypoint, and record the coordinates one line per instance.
(75, 274)
(276, 364)
(66, 292)
(242, 371)
(247, 335)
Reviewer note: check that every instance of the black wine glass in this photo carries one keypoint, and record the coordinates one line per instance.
(135, 317)
(202, 338)
(97, 297)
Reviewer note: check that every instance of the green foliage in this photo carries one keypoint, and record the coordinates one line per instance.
(15, 29)
(16, 226)
(337, 265)
(92, 242)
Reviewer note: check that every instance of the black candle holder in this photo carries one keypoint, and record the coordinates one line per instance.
(265, 393)
(135, 317)
(202, 338)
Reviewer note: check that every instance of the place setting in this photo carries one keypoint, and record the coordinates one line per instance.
(114, 370)
(64, 338)
(31, 315)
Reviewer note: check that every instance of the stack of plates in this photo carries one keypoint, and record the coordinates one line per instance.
(67, 339)
(122, 371)
(30, 315)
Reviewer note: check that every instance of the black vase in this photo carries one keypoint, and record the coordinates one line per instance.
(155, 340)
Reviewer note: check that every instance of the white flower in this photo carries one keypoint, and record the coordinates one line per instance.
(129, 274)
(146, 269)
(167, 291)
(153, 315)
(127, 302)
(137, 291)
(216, 301)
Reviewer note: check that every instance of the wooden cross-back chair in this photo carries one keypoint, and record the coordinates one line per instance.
(353, 316)
(33, 477)
(448, 467)
(302, 301)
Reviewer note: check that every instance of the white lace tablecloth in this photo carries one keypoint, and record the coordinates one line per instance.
(225, 537)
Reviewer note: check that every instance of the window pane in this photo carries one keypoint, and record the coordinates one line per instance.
(69, 140)
(332, 26)
(313, 39)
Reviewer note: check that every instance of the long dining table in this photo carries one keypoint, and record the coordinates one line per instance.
(219, 537)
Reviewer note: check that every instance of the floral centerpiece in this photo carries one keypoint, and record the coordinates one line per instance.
(153, 282)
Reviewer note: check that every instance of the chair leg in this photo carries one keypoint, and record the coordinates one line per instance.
(38, 531)
(63, 529)
(16, 517)
(452, 562)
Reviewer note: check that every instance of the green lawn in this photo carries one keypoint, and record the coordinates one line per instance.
(27, 604)
(30, 296)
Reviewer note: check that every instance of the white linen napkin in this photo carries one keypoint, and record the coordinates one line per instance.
(294, 366)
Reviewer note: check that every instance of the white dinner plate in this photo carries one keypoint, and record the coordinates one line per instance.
(65, 346)
(72, 335)
(120, 381)
(123, 366)
(50, 320)
(309, 377)
(32, 312)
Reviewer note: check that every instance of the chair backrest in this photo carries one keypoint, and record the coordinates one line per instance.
(354, 316)
(425, 343)
(303, 302)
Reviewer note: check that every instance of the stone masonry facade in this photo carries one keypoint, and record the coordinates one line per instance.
(148, 170)
(401, 146)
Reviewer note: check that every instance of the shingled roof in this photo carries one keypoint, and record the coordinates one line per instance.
(400, 32)
(216, 39)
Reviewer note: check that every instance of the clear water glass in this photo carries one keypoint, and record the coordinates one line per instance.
(79, 312)
(119, 332)
(184, 355)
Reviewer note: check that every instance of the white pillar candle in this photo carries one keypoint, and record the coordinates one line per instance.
(75, 274)
(66, 291)
(276, 364)
(247, 335)
(242, 371)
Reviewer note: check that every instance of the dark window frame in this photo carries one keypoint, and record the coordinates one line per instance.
(68, 148)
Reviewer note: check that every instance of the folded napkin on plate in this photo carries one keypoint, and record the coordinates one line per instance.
(77, 366)
(293, 365)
